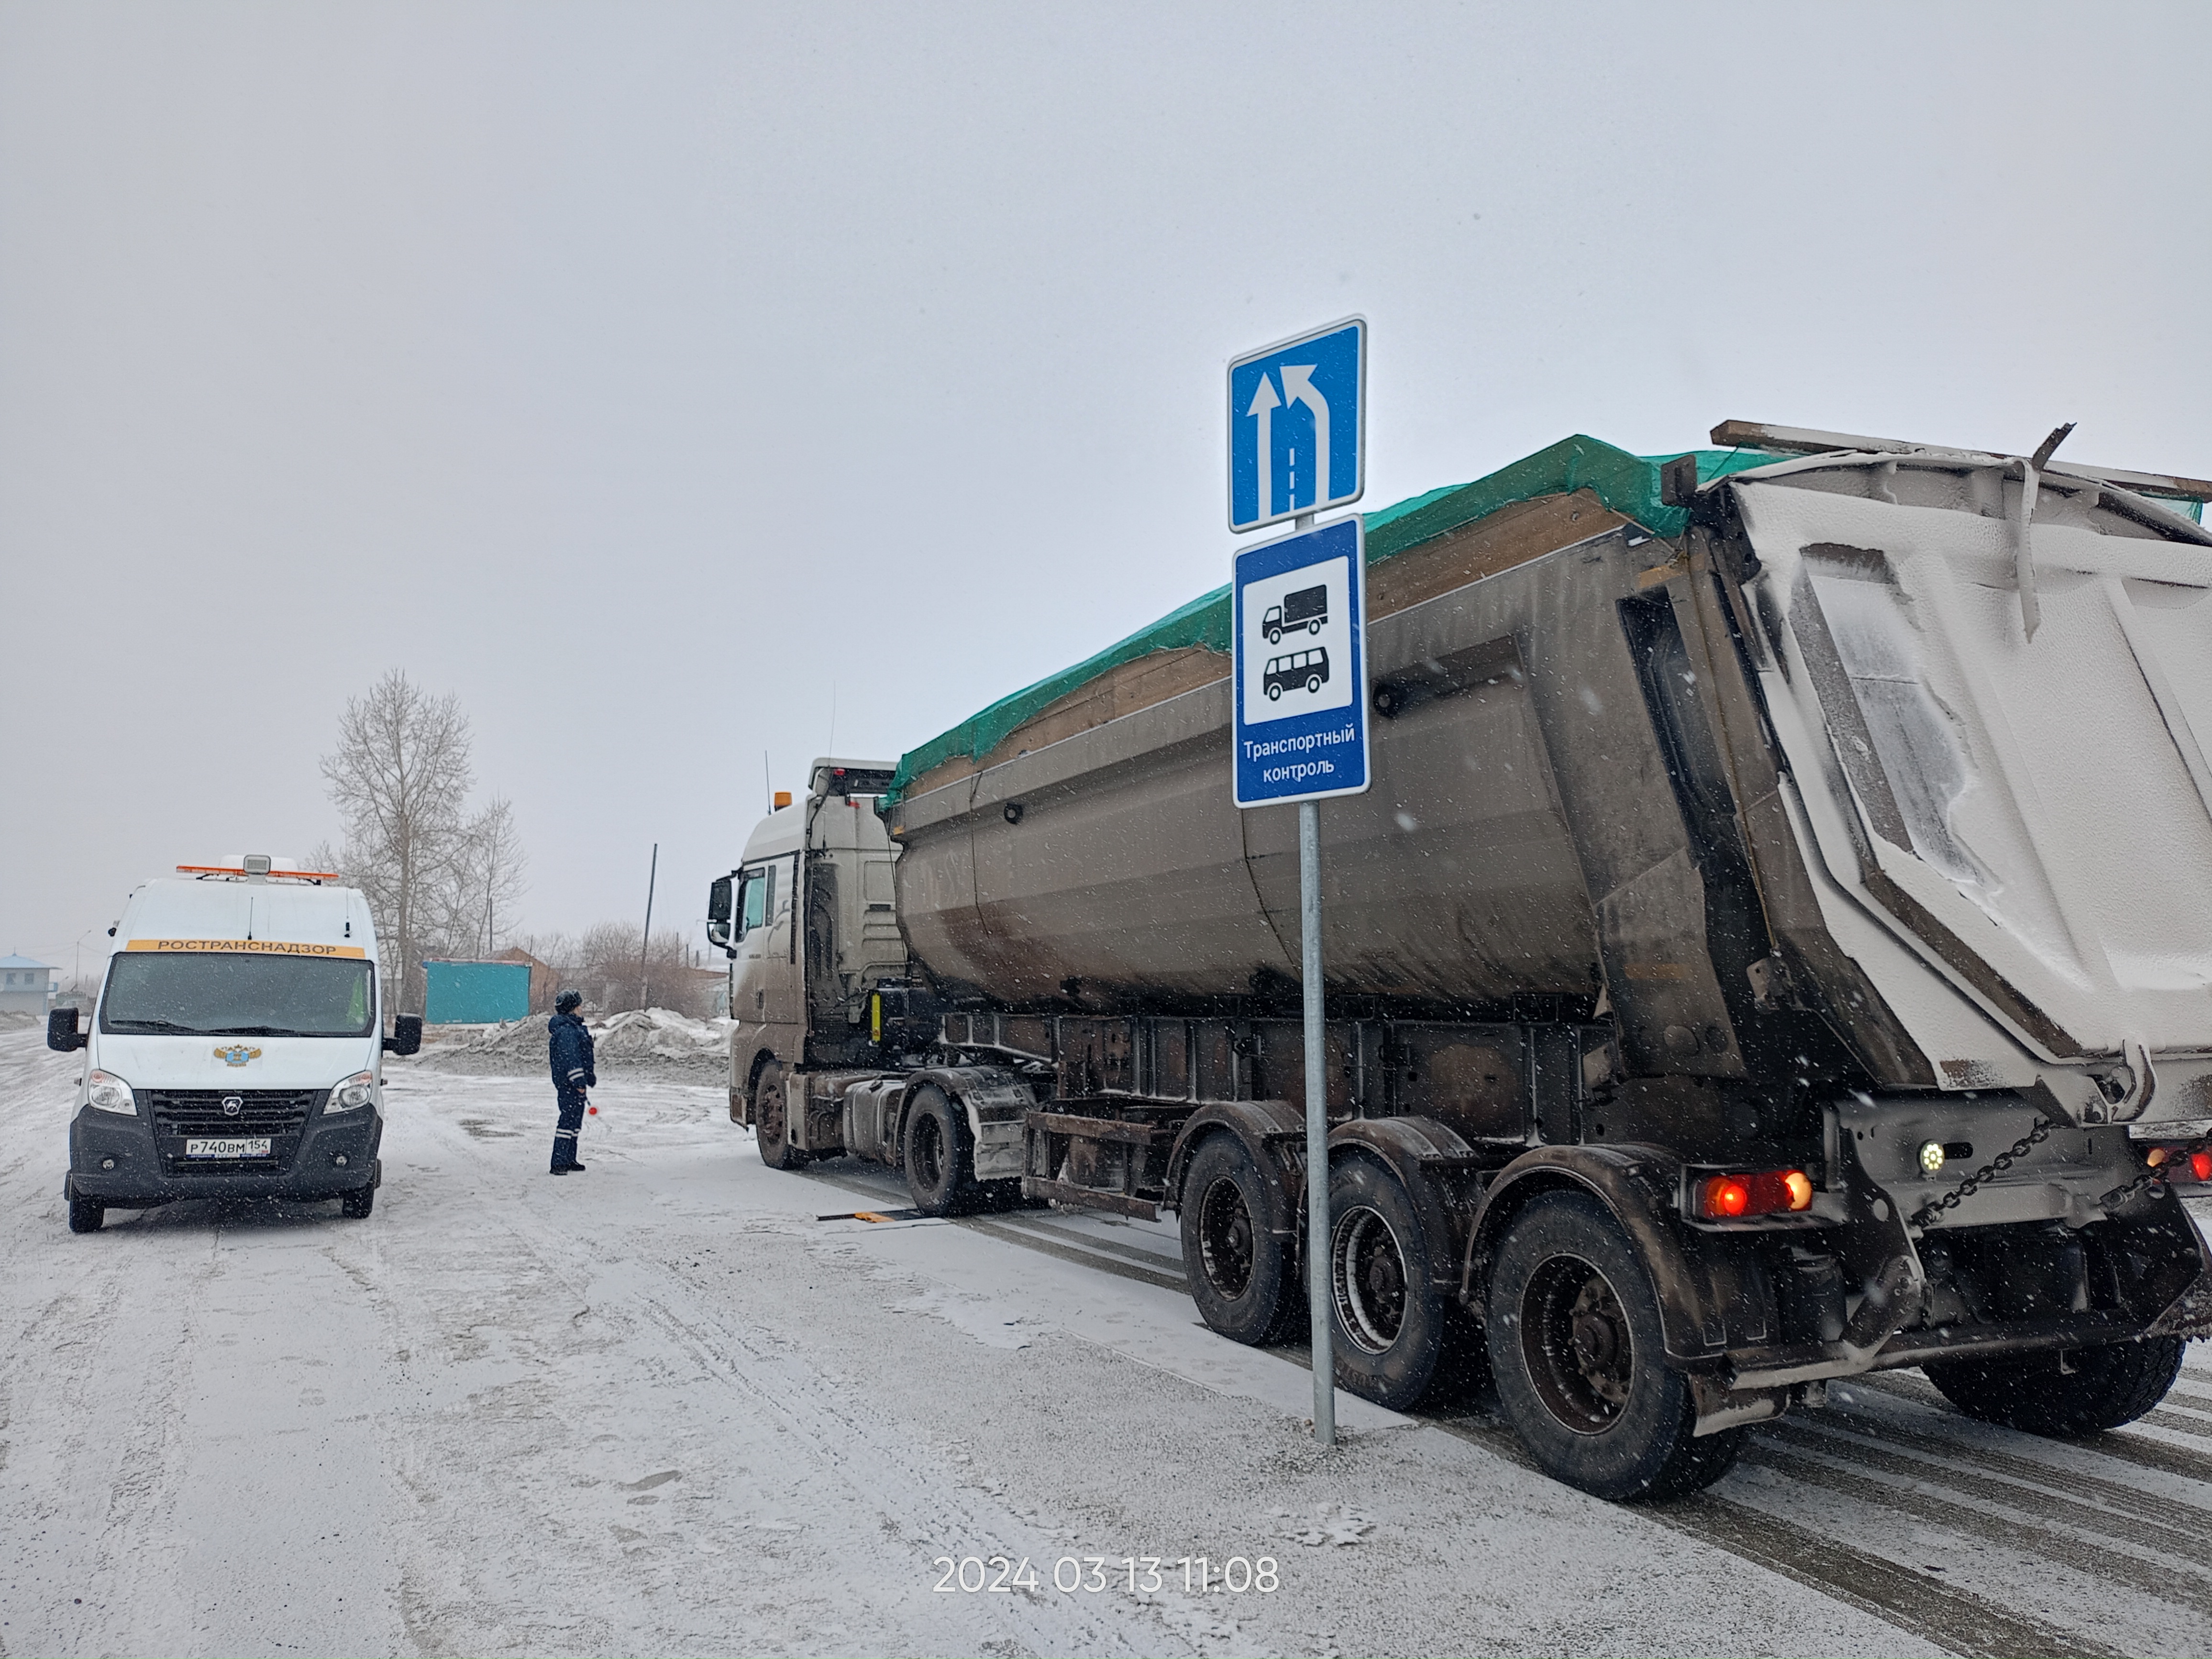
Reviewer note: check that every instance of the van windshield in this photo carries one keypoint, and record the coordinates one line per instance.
(219, 994)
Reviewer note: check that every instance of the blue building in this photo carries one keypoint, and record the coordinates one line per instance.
(474, 993)
(26, 987)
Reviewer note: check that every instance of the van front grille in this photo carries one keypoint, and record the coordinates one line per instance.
(203, 1112)
(181, 1116)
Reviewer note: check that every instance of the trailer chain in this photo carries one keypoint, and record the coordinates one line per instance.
(2154, 1175)
(1997, 1166)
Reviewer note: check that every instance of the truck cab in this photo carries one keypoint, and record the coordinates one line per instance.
(808, 924)
(236, 1049)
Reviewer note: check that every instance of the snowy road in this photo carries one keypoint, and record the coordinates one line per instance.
(663, 1407)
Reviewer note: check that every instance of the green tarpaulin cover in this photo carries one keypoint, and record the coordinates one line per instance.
(1627, 484)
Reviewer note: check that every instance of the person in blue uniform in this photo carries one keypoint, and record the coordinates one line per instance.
(569, 1045)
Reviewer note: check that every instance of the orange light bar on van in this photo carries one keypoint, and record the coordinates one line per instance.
(1734, 1197)
(240, 870)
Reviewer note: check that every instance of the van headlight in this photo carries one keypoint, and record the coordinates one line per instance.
(109, 1093)
(354, 1093)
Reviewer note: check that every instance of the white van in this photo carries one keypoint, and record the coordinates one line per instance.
(236, 1050)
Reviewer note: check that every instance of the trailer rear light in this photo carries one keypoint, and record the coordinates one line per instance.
(1733, 1197)
(1724, 1197)
(2176, 1163)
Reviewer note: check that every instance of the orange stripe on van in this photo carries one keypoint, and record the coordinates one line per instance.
(254, 947)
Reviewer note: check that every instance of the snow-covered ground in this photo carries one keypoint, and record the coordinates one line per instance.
(665, 1407)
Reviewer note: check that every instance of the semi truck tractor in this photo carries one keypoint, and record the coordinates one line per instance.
(1777, 945)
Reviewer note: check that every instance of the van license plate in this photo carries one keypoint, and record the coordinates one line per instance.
(228, 1146)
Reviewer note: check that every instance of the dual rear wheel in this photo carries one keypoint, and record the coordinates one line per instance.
(1570, 1336)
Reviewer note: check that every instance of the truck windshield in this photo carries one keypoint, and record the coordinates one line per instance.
(224, 995)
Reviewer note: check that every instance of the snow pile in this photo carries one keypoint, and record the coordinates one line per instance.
(659, 1034)
(651, 1040)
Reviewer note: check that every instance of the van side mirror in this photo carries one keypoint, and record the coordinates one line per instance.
(406, 1037)
(62, 1035)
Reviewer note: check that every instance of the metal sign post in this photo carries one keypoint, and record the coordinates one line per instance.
(1320, 1289)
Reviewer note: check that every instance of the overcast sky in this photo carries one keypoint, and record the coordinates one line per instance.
(659, 377)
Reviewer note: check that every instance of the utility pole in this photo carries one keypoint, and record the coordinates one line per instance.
(645, 948)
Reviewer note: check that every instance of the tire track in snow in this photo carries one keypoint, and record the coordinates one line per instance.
(882, 1474)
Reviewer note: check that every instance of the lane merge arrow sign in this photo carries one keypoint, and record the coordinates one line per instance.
(1297, 430)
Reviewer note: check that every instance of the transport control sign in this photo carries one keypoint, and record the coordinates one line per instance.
(1298, 426)
(1299, 619)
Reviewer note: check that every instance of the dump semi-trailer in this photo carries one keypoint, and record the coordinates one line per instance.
(1778, 946)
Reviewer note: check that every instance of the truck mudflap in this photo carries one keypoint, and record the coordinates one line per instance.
(997, 1102)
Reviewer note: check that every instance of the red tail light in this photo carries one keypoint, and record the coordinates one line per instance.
(1776, 1192)
(2174, 1164)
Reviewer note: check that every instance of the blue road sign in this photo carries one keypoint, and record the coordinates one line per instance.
(1299, 626)
(1298, 426)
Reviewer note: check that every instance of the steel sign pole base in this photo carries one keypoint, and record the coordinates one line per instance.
(1319, 1288)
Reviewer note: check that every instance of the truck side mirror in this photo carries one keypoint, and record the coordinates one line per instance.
(719, 911)
(406, 1037)
(62, 1035)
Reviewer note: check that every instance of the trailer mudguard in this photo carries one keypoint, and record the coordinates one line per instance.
(1440, 1172)
(1711, 1293)
(1264, 1126)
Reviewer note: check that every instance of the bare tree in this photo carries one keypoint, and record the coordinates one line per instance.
(603, 965)
(399, 778)
(485, 878)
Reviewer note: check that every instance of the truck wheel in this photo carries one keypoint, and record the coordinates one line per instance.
(1240, 1273)
(2104, 1387)
(1580, 1360)
(938, 1160)
(1314, 627)
(355, 1205)
(1390, 1315)
(86, 1215)
(771, 1120)
(1274, 637)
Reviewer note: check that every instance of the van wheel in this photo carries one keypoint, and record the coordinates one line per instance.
(355, 1205)
(1240, 1273)
(937, 1159)
(771, 1120)
(1313, 681)
(1274, 692)
(2103, 1387)
(1391, 1317)
(86, 1215)
(1580, 1361)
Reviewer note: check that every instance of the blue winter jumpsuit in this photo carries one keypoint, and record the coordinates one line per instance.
(569, 1047)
